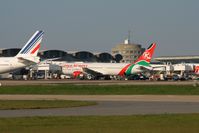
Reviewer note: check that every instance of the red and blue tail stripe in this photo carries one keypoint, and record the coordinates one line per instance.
(33, 44)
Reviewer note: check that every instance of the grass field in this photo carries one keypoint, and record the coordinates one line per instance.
(102, 90)
(11, 104)
(187, 123)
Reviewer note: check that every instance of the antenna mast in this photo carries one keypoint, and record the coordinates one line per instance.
(129, 36)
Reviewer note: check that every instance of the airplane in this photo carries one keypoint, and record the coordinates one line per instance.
(93, 70)
(27, 55)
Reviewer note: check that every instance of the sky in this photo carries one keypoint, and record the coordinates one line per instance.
(99, 25)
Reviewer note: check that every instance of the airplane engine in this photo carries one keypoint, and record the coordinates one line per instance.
(77, 74)
(196, 69)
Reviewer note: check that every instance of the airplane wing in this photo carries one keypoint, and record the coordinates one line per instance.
(92, 72)
(144, 68)
(159, 68)
(27, 60)
(152, 68)
(51, 59)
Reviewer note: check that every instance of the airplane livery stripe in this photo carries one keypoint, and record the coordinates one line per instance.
(128, 71)
(32, 42)
(36, 48)
(121, 73)
(29, 43)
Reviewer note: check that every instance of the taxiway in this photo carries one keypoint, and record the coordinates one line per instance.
(108, 105)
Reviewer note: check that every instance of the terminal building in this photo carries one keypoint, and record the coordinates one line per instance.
(126, 53)
(9, 52)
(120, 53)
(178, 59)
(61, 55)
(130, 52)
(46, 69)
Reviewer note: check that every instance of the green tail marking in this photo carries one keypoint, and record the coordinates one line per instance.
(141, 63)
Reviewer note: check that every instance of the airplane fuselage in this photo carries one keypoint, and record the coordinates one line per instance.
(26, 56)
(102, 68)
(8, 64)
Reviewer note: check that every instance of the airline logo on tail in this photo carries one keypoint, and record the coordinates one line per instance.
(144, 60)
(147, 55)
(33, 45)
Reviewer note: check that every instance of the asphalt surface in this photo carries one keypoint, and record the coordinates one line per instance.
(94, 82)
(108, 105)
(110, 108)
(118, 98)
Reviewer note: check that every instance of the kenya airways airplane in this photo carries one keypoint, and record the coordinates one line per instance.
(27, 55)
(113, 69)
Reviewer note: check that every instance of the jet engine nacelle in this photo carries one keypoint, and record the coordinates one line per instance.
(196, 69)
(77, 74)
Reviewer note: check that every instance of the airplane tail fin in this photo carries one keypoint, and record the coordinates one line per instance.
(146, 57)
(144, 61)
(32, 47)
(28, 54)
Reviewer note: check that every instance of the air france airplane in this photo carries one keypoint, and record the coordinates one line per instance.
(113, 69)
(27, 55)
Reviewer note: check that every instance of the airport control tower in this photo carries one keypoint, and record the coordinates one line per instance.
(129, 51)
